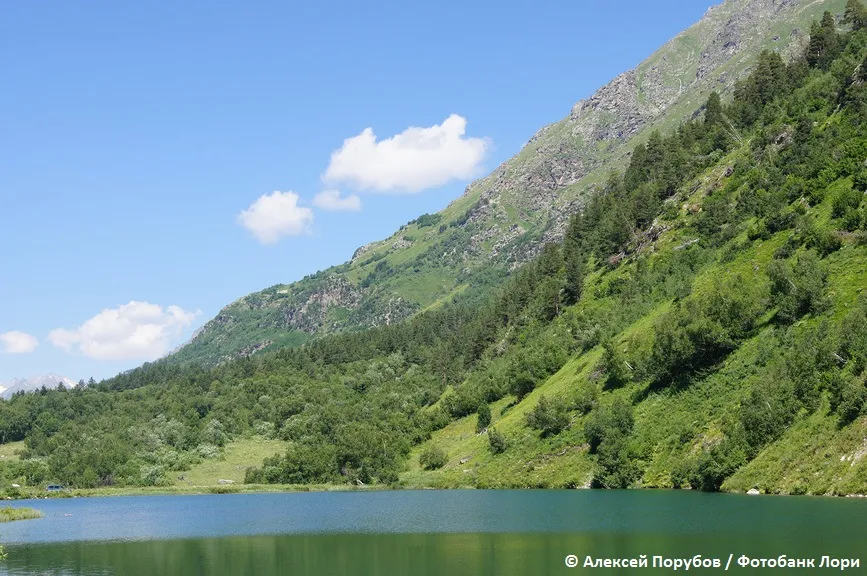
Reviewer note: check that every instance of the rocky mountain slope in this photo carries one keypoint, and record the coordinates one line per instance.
(50, 380)
(505, 218)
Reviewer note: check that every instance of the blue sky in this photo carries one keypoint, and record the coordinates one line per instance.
(136, 134)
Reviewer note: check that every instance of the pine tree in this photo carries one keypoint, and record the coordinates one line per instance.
(713, 112)
(550, 261)
(573, 260)
(824, 42)
(855, 15)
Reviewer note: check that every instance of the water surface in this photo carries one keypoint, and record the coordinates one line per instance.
(421, 532)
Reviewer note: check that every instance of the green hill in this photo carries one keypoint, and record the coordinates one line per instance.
(700, 323)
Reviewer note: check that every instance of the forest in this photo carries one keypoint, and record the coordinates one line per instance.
(781, 163)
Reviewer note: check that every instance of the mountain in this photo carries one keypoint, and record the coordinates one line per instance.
(702, 323)
(50, 380)
(505, 218)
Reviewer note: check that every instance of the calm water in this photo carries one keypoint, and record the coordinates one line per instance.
(422, 532)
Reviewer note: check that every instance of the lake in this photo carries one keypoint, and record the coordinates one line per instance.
(424, 532)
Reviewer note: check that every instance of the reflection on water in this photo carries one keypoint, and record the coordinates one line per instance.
(419, 533)
(363, 554)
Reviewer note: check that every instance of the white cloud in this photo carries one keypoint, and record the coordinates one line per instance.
(276, 215)
(134, 331)
(16, 342)
(414, 160)
(332, 201)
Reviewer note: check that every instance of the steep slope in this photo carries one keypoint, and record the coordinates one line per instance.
(505, 218)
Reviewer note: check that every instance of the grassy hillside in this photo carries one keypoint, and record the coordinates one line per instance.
(816, 455)
(232, 464)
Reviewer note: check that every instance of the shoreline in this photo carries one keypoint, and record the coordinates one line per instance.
(299, 488)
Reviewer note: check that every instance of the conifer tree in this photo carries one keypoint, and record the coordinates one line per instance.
(713, 112)
(573, 260)
(855, 15)
(824, 42)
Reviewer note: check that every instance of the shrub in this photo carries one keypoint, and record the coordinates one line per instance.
(824, 241)
(433, 458)
(214, 433)
(428, 220)
(787, 249)
(207, 451)
(767, 411)
(853, 220)
(606, 423)
(799, 289)
(701, 330)
(845, 200)
(483, 418)
(717, 464)
(496, 441)
(854, 336)
(153, 476)
(264, 429)
(681, 472)
(585, 397)
(617, 465)
(549, 416)
(613, 364)
(848, 397)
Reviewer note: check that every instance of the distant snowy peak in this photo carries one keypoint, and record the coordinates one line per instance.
(50, 380)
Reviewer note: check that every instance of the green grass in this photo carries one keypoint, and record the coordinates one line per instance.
(531, 461)
(10, 450)
(814, 456)
(237, 457)
(8, 514)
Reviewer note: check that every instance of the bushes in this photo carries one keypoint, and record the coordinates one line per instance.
(549, 416)
(798, 289)
(585, 397)
(428, 220)
(607, 431)
(617, 464)
(613, 365)
(496, 441)
(824, 241)
(682, 473)
(608, 422)
(483, 418)
(717, 464)
(701, 330)
(538, 361)
(433, 458)
(845, 200)
(848, 396)
(767, 411)
(854, 336)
